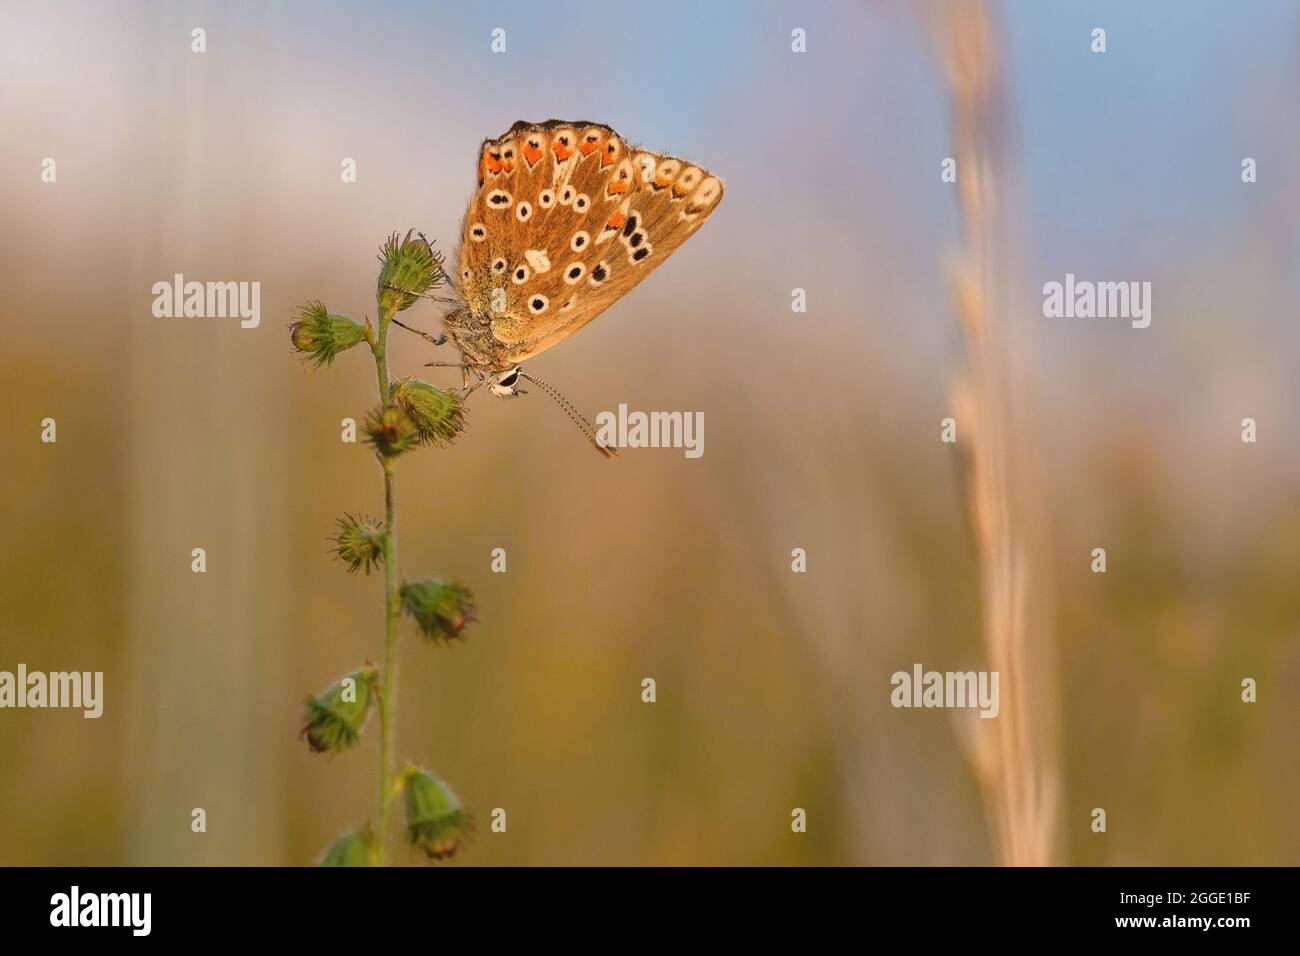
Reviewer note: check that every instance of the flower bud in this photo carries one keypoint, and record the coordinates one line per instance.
(390, 431)
(438, 416)
(359, 542)
(321, 336)
(440, 608)
(410, 269)
(333, 721)
(436, 821)
(357, 848)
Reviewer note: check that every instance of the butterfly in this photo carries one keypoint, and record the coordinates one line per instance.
(566, 219)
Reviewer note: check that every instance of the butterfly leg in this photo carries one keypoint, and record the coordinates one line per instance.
(437, 339)
(422, 295)
(468, 370)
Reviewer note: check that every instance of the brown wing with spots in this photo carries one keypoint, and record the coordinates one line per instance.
(566, 220)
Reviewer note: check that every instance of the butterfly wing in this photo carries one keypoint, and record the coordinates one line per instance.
(567, 218)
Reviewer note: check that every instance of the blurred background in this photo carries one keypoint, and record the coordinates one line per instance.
(822, 432)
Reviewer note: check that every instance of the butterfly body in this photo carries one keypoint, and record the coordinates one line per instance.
(566, 218)
(472, 334)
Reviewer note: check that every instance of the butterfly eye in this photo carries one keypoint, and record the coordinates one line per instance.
(537, 304)
(581, 203)
(599, 274)
(523, 211)
(574, 273)
(547, 199)
(499, 265)
(499, 199)
(579, 240)
(477, 232)
(520, 276)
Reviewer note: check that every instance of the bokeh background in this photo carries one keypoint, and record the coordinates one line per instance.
(822, 432)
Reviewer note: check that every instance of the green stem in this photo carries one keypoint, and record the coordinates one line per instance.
(379, 346)
(392, 610)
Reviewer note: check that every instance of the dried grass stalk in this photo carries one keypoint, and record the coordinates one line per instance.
(1014, 755)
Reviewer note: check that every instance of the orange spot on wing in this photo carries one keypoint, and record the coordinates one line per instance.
(617, 188)
(532, 154)
(492, 163)
(616, 221)
(607, 157)
(562, 152)
(679, 189)
(588, 148)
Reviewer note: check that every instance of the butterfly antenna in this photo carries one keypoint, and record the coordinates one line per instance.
(583, 425)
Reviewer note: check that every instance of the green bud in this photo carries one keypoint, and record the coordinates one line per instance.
(333, 721)
(390, 431)
(357, 848)
(436, 821)
(321, 336)
(410, 269)
(359, 542)
(438, 416)
(442, 609)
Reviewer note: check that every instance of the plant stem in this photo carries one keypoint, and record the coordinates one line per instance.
(388, 697)
(379, 346)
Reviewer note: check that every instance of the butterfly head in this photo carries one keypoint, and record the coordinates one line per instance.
(506, 384)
